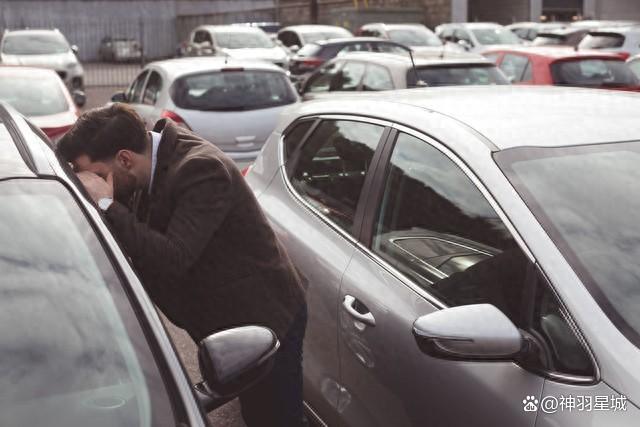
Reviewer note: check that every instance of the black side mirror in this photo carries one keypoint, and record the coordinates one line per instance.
(79, 98)
(74, 49)
(119, 97)
(232, 361)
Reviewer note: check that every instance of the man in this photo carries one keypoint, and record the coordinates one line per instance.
(198, 240)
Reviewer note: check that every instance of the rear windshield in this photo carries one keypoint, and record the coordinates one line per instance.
(548, 40)
(232, 91)
(33, 96)
(414, 37)
(456, 75)
(239, 40)
(602, 41)
(491, 36)
(34, 44)
(593, 72)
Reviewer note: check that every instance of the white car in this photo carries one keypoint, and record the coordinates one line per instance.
(416, 36)
(43, 48)
(236, 41)
(477, 37)
(623, 40)
(634, 64)
(235, 104)
(296, 36)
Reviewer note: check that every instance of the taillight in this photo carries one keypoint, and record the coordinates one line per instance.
(57, 132)
(309, 63)
(167, 114)
(624, 55)
(246, 170)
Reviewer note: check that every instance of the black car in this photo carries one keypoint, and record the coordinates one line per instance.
(81, 343)
(312, 55)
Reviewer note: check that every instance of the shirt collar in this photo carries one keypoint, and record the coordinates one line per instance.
(155, 143)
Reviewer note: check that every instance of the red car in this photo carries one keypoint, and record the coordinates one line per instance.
(565, 67)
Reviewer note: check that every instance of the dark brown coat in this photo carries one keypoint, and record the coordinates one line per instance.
(201, 244)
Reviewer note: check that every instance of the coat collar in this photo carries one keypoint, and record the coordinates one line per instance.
(168, 142)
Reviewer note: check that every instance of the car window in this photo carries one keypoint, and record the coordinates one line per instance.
(516, 67)
(331, 167)
(36, 43)
(390, 48)
(152, 90)
(418, 36)
(602, 41)
(349, 77)
(73, 351)
(241, 40)
(377, 78)
(294, 137)
(456, 75)
(493, 57)
(320, 81)
(134, 93)
(493, 36)
(447, 34)
(202, 37)
(357, 47)
(593, 72)
(437, 228)
(461, 34)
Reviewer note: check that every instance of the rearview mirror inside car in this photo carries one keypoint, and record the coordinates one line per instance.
(232, 361)
(119, 97)
(79, 98)
(475, 332)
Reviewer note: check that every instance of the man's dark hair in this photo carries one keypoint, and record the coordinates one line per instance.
(102, 132)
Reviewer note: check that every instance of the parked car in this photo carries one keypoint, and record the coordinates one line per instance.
(296, 36)
(313, 55)
(237, 42)
(416, 36)
(119, 49)
(463, 246)
(233, 103)
(43, 48)
(82, 344)
(377, 71)
(40, 95)
(634, 64)
(569, 37)
(477, 36)
(529, 30)
(599, 23)
(622, 40)
(565, 67)
(271, 28)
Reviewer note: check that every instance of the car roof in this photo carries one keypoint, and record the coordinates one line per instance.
(229, 28)
(19, 70)
(177, 67)
(393, 59)
(312, 28)
(507, 116)
(555, 52)
(618, 30)
(529, 24)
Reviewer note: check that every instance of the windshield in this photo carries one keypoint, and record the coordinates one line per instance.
(491, 36)
(73, 352)
(587, 199)
(593, 72)
(238, 40)
(602, 41)
(232, 91)
(414, 37)
(34, 44)
(455, 75)
(34, 96)
(324, 35)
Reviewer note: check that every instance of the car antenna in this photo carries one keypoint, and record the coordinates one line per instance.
(419, 83)
(442, 51)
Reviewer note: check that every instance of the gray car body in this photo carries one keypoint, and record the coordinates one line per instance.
(376, 376)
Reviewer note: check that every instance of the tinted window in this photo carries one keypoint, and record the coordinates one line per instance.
(437, 228)
(357, 47)
(331, 169)
(602, 41)
(202, 37)
(34, 44)
(515, 67)
(232, 91)
(293, 138)
(134, 94)
(377, 78)
(151, 92)
(593, 72)
(289, 38)
(73, 352)
(33, 95)
(457, 75)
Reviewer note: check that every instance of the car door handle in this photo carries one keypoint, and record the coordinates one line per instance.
(349, 304)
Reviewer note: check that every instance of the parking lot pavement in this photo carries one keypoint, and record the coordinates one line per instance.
(225, 416)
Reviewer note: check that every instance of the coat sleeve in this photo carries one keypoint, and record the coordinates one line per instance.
(203, 199)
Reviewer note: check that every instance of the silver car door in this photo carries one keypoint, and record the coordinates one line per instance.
(432, 240)
(312, 205)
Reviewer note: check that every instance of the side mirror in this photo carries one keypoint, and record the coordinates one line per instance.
(295, 48)
(232, 361)
(79, 98)
(74, 49)
(468, 332)
(119, 97)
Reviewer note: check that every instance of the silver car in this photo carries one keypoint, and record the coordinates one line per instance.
(470, 254)
(477, 37)
(234, 104)
(43, 48)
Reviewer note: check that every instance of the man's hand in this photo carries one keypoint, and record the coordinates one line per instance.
(97, 187)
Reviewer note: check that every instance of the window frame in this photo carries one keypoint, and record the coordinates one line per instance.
(146, 87)
(132, 87)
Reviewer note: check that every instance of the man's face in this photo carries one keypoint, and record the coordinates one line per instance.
(125, 181)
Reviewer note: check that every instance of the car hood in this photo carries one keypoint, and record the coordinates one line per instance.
(57, 60)
(267, 54)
